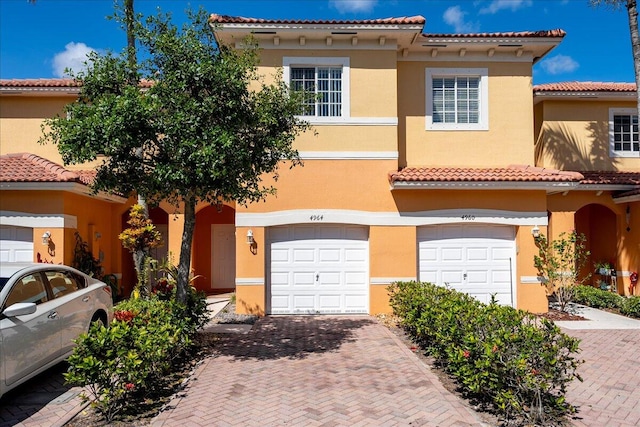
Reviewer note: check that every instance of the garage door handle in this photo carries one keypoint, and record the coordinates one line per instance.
(53, 315)
(317, 277)
(85, 299)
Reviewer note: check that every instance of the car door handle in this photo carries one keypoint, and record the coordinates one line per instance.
(85, 299)
(53, 315)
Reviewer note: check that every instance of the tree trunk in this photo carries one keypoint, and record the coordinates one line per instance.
(632, 10)
(184, 266)
(129, 16)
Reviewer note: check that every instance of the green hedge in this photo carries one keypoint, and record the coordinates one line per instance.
(518, 363)
(121, 365)
(598, 298)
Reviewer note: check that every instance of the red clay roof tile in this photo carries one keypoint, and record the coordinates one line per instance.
(520, 34)
(514, 173)
(226, 19)
(611, 178)
(585, 87)
(26, 167)
(51, 83)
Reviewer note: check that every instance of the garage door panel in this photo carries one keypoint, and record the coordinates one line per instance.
(475, 259)
(356, 303)
(16, 244)
(451, 254)
(279, 302)
(328, 262)
(329, 255)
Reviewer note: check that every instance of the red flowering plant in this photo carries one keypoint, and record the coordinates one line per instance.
(163, 288)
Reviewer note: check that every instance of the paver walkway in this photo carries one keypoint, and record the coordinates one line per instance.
(610, 393)
(315, 371)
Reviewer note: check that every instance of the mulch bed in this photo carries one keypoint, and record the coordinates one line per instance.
(557, 315)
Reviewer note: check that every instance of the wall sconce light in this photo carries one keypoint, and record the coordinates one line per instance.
(628, 217)
(250, 240)
(46, 237)
(97, 235)
(535, 232)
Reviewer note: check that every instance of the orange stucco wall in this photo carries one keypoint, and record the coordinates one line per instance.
(574, 135)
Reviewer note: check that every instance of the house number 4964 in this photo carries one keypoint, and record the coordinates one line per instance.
(316, 217)
(468, 217)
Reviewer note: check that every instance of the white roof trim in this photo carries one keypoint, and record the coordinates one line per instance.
(34, 220)
(72, 187)
(484, 185)
(627, 199)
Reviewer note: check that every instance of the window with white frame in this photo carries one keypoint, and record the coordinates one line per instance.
(623, 132)
(326, 83)
(457, 99)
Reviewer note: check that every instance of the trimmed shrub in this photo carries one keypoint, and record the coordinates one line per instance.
(631, 307)
(510, 359)
(597, 298)
(132, 356)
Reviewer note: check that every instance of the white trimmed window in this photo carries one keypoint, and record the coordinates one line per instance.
(326, 80)
(623, 132)
(457, 99)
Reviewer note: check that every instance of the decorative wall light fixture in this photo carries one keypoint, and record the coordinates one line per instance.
(46, 237)
(535, 232)
(250, 240)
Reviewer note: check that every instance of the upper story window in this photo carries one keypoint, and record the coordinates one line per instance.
(457, 99)
(325, 80)
(623, 132)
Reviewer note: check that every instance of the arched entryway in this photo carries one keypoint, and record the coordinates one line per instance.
(599, 225)
(214, 249)
(160, 219)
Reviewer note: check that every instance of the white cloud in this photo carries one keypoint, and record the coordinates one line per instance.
(345, 6)
(559, 64)
(454, 16)
(497, 5)
(73, 56)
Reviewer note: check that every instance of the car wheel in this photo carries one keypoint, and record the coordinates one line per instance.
(97, 318)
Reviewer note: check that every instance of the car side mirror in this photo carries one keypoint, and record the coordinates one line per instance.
(20, 309)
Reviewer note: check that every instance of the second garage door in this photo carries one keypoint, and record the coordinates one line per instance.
(476, 259)
(319, 269)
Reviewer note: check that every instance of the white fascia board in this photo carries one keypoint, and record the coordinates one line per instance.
(40, 91)
(605, 187)
(582, 95)
(484, 185)
(348, 155)
(627, 199)
(71, 187)
(435, 217)
(314, 27)
(475, 57)
(34, 220)
(320, 45)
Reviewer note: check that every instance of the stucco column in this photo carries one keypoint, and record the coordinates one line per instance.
(250, 271)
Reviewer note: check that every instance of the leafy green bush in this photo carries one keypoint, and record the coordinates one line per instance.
(597, 298)
(518, 363)
(131, 357)
(631, 306)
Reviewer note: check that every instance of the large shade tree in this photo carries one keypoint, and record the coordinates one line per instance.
(201, 126)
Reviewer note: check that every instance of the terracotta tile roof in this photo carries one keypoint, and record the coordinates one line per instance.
(610, 178)
(39, 83)
(50, 83)
(514, 173)
(585, 87)
(26, 167)
(226, 19)
(635, 192)
(521, 34)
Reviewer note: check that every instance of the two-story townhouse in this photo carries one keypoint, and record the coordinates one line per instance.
(592, 128)
(422, 166)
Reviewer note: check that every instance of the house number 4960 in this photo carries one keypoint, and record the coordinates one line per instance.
(316, 217)
(468, 217)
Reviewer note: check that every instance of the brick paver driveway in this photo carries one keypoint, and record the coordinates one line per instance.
(44, 401)
(315, 371)
(610, 393)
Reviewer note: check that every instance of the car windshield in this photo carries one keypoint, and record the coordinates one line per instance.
(3, 281)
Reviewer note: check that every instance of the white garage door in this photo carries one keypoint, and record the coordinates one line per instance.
(319, 269)
(476, 259)
(16, 244)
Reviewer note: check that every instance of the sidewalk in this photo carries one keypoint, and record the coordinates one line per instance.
(597, 319)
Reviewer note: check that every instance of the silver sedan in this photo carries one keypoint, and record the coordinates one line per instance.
(43, 308)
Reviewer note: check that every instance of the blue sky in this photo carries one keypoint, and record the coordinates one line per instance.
(39, 40)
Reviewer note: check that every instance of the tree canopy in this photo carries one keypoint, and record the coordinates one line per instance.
(202, 124)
